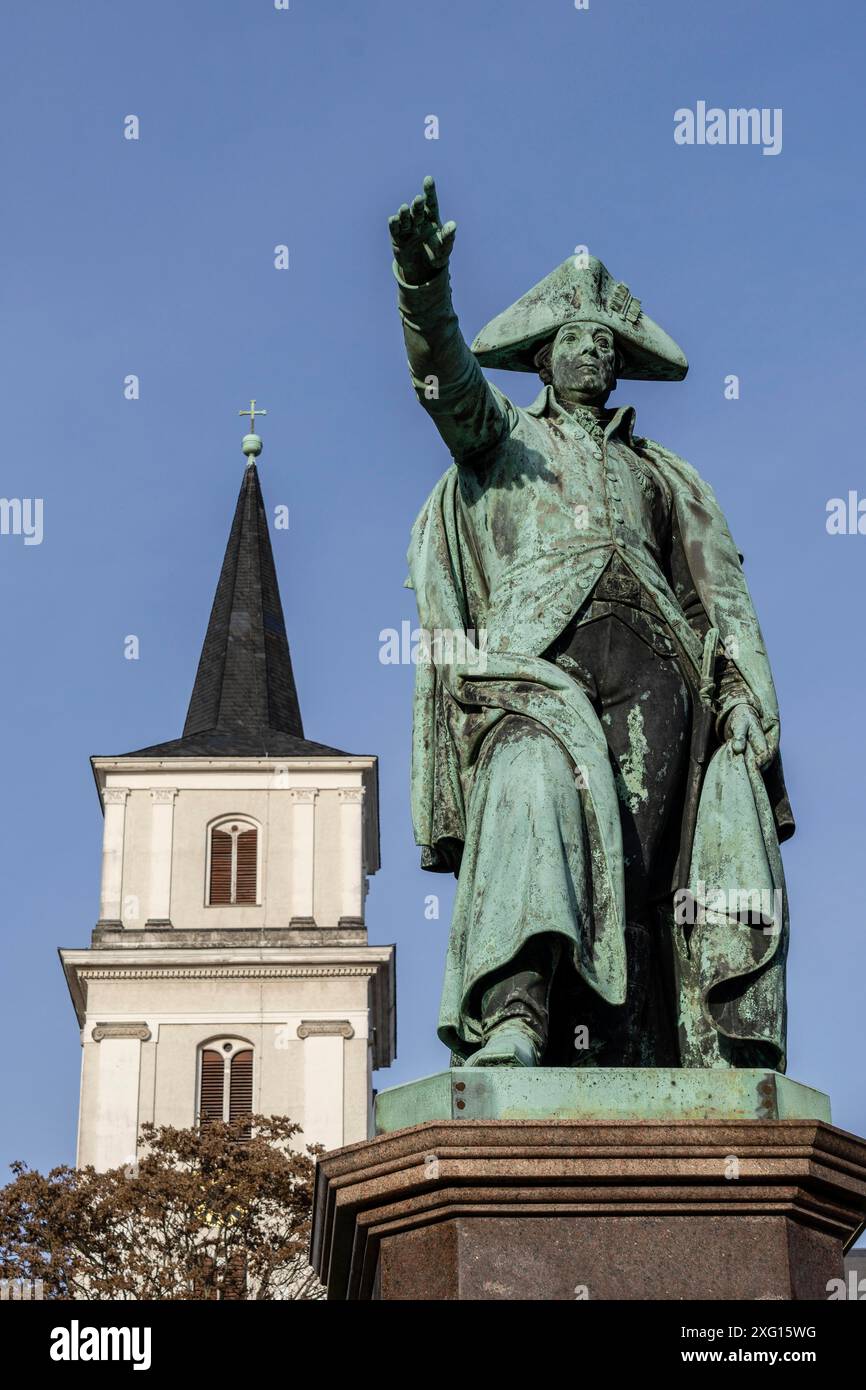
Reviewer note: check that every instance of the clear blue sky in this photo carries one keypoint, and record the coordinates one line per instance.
(155, 257)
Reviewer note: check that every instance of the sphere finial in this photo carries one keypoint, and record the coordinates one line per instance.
(251, 443)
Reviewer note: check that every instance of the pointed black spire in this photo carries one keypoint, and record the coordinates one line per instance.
(244, 701)
(244, 677)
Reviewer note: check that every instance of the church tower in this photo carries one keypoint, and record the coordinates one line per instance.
(229, 969)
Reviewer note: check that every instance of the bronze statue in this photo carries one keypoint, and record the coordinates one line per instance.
(602, 771)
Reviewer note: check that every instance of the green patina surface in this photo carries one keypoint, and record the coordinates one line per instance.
(631, 782)
(600, 1093)
(498, 743)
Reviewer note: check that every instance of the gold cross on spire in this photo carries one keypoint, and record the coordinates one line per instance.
(252, 412)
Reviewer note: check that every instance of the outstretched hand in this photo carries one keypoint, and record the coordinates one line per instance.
(421, 243)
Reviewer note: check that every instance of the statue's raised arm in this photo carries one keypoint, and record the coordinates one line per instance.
(469, 414)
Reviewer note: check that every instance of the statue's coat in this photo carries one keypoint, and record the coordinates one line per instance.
(456, 569)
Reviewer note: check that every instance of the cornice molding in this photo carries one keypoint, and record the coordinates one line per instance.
(375, 964)
(361, 761)
(229, 972)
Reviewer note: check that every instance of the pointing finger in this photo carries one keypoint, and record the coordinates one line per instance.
(431, 198)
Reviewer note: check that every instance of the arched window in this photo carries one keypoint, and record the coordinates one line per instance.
(225, 1081)
(233, 862)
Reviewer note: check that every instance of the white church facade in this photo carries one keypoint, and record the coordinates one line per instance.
(229, 970)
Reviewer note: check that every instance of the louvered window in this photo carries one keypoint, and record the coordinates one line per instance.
(212, 1103)
(245, 867)
(241, 1084)
(241, 1087)
(234, 858)
(225, 1081)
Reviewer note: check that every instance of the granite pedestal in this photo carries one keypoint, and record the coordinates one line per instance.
(634, 1184)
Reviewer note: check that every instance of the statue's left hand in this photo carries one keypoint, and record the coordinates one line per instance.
(743, 729)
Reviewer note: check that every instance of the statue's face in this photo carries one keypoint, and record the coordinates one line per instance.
(583, 362)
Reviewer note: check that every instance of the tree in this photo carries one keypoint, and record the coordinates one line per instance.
(219, 1211)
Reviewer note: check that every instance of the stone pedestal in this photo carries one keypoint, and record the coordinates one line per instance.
(593, 1208)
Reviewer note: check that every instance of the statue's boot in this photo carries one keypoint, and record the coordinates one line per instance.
(514, 1020)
